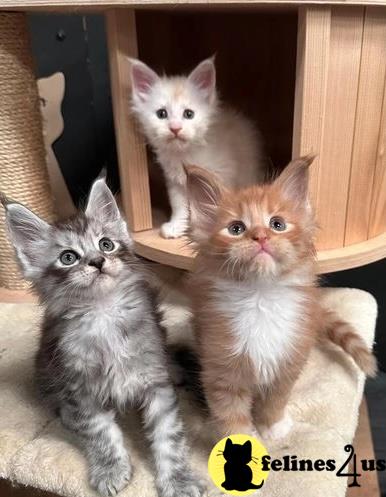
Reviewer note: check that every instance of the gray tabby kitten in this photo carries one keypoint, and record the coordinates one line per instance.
(101, 348)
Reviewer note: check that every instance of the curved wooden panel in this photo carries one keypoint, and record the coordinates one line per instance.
(366, 138)
(77, 5)
(178, 253)
(340, 109)
(329, 61)
(377, 221)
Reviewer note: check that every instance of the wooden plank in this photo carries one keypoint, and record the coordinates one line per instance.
(367, 126)
(328, 66)
(122, 43)
(338, 132)
(364, 449)
(173, 252)
(377, 224)
(311, 87)
(355, 255)
(179, 254)
(105, 4)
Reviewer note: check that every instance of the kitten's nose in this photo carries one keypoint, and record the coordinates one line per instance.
(98, 262)
(175, 129)
(260, 236)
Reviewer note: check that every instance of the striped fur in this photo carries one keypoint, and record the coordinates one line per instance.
(256, 303)
(344, 335)
(102, 348)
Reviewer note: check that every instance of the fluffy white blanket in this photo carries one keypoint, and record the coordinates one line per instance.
(36, 451)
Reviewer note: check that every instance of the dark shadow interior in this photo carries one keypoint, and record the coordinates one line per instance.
(255, 59)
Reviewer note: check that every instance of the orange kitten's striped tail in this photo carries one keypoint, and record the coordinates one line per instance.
(344, 335)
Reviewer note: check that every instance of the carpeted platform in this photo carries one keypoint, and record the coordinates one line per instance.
(36, 451)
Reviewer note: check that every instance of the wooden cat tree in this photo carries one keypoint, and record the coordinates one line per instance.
(328, 96)
(339, 113)
(338, 107)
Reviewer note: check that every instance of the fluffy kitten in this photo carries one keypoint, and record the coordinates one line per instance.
(185, 124)
(101, 348)
(256, 302)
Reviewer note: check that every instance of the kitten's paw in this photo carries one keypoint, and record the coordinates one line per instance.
(185, 484)
(109, 480)
(278, 430)
(173, 229)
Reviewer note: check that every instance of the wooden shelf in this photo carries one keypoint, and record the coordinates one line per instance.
(352, 256)
(24, 5)
(178, 253)
(174, 253)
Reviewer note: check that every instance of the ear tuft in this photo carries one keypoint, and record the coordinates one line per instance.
(203, 77)
(101, 203)
(28, 234)
(143, 78)
(204, 194)
(293, 181)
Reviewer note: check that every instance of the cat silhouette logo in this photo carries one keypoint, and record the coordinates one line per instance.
(235, 465)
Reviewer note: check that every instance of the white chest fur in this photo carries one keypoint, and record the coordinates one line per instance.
(264, 319)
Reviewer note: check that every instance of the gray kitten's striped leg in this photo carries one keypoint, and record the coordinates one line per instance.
(109, 464)
(165, 432)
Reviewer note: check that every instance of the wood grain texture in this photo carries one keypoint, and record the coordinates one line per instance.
(174, 253)
(352, 256)
(314, 26)
(241, 68)
(377, 224)
(105, 4)
(367, 127)
(122, 43)
(179, 254)
(339, 121)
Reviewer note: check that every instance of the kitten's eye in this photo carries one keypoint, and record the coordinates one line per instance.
(162, 113)
(188, 114)
(277, 223)
(68, 257)
(106, 245)
(237, 228)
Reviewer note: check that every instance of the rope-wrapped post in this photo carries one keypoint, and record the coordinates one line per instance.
(23, 173)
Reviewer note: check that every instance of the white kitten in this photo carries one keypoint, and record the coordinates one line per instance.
(185, 124)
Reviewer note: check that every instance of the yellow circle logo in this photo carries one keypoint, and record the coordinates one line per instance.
(235, 465)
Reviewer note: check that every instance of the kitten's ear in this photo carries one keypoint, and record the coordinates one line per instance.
(203, 77)
(293, 181)
(204, 194)
(101, 203)
(143, 79)
(29, 235)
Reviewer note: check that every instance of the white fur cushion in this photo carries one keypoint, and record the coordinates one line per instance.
(36, 451)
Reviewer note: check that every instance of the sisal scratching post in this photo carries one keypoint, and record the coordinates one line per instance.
(23, 173)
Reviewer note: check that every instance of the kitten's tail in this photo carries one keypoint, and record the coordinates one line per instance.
(344, 335)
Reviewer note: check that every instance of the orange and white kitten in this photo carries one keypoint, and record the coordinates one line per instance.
(256, 303)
